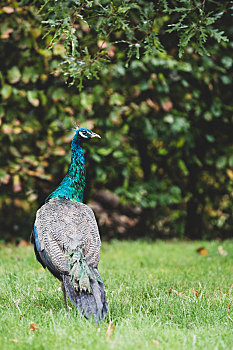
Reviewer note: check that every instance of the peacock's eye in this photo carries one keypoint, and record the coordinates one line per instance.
(83, 134)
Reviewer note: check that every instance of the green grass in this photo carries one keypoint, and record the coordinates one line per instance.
(138, 276)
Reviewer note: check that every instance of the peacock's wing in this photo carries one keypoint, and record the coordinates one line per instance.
(61, 227)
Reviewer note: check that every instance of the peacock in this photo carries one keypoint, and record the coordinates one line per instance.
(66, 237)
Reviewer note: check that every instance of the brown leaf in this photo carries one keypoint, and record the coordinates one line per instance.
(154, 341)
(69, 110)
(17, 187)
(221, 251)
(167, 106)
(111, 51)
(34, 173)
(153, 104)
(102, 44)
(8, 9)
(6, 34)
(23, 243)
(195, 292)
(175, 291)
(202, 251)
(33, 327)
(110, 330)
(6, 129)
(170, 315)
(4, 180)
(15, 340)
(59, 151)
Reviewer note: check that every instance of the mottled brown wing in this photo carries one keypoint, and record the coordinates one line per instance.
(63, 224)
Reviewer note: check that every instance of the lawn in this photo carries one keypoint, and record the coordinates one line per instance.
(161, 295)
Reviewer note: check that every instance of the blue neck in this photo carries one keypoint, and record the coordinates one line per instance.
(73, 184)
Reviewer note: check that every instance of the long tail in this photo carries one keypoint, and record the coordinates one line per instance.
(85, 287)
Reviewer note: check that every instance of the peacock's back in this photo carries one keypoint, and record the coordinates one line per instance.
(62, 225)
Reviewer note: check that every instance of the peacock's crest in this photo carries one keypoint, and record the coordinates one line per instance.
(76, 126)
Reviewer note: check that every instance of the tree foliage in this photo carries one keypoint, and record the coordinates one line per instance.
(88, 29)
(165, 122)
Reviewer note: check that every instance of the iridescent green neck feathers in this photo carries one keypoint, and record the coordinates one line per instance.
(73, 184)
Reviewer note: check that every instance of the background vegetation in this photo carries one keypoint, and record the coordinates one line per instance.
(154, 79)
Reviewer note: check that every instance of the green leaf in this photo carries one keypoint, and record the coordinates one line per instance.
(218, 35)
(116, 99)
(30, 74)
(221, 162)
(33, 98)
(210, 138)
(230, 161)
(14, 75)
(6, 91)
(169, 119)
(183, 167)
(104, 151)
(227, 61)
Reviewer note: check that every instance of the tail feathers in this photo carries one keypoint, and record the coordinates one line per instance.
(84, 286)
(80, 272)
(89, 304)
(102, 294)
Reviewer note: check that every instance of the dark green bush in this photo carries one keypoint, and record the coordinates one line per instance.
(165, 122)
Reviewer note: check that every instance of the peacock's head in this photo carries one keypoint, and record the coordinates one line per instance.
(83, 134)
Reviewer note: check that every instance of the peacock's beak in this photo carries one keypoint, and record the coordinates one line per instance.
(95, 135)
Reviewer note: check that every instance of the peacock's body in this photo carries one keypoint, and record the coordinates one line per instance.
(66, 237)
